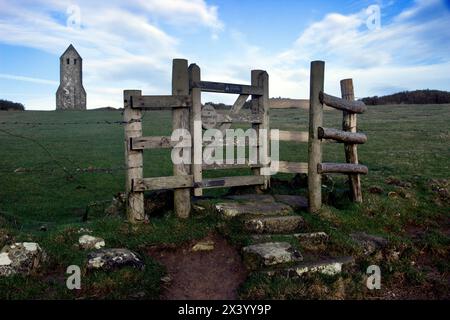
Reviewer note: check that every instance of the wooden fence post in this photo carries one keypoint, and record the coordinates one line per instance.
(314, 143)
(196, 126)
(349, 124)
(260, 105)
(133, 158)
(180, 120)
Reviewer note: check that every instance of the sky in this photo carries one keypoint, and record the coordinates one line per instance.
(386, 46)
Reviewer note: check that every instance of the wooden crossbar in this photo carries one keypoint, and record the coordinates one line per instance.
(221, 87)
(159, 183)
(342, 104)
(342, 136)
(227, 182)
(160, 102)
(346, 168)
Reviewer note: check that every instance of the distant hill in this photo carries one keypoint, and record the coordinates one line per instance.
(11, 106)
(411, 97)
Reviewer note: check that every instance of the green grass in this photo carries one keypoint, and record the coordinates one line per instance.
(411, 143)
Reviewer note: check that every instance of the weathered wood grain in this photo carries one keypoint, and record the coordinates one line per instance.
(161, 102)
(221, 87)
(227, 182)
(181, 120)
(342, 136)
(314, 143)
(160, 183)
(349, 168)
(133, 158)
(349, 124)
(342, 104)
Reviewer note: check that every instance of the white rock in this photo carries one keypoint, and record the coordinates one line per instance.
(4, 259)
(89, 242)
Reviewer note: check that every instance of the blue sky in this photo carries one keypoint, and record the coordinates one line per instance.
(130, 45)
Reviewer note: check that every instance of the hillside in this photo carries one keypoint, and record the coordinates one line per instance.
(411, 97)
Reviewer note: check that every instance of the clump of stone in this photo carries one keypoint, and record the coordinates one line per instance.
(111, 259)
(117, 206)
(21, 258)
(369, 244)
(88, 242)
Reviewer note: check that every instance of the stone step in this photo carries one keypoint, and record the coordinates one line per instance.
(283, 224)
(295, 202)
(310, 237)
(267, 254)
(252, 197)
(232, 209)
(330, 266)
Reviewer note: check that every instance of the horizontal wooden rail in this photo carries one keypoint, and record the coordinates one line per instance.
(346, 168)
(160, 102)
(341, 104)
(164, 142)
(342, 136)
(173, 182)
(227, 182)
(297, 136)
(225, 166)
(220, 87)
(292, 167)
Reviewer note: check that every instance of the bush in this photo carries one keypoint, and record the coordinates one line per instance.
(9, 105)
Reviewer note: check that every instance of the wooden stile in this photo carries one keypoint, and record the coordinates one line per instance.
(133, 158)
(180, 120)
(314, 144)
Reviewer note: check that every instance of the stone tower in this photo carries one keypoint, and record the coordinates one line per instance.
(71, 94)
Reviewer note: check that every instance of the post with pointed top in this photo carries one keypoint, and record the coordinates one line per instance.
(260, 105)
(180, 120)
(349, 124)
(196, 126)
(314, 143)
(133, 158)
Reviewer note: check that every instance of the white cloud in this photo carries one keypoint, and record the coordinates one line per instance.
(121, 43)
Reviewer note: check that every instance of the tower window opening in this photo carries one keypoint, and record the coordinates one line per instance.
(74, 61)
(68, 60)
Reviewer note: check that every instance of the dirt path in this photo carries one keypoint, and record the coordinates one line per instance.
(214, 274)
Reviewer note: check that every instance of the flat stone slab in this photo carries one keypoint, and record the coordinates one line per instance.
(296, 202)
(235, 209)
(110, 259)
(283, 224)
(252, 197)
(269, 254)
(314, 237)
(329, 267)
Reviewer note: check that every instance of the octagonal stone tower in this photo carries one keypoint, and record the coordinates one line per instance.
(71, 94)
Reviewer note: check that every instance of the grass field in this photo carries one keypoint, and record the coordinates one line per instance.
(56, 166)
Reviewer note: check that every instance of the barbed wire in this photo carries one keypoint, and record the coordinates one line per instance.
(69, 123)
